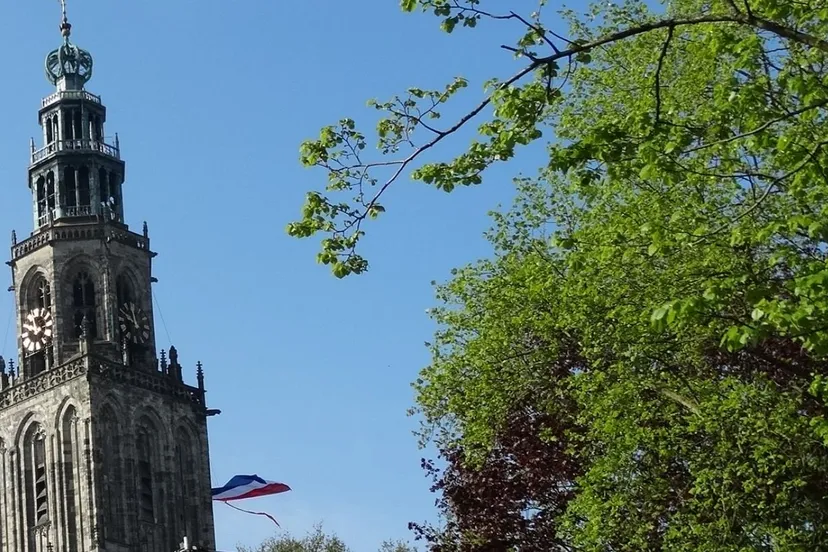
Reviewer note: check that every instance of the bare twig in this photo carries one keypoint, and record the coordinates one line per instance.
(521, 51)
(541, 31)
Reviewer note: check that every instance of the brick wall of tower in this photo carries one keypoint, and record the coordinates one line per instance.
(174, 493)
(45, 410)
(89, 414)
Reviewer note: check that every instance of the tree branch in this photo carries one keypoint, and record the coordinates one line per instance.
(457, 126)
(576, 48)
(766, 193)
(661, 57)
(760, 128)
(755, 22)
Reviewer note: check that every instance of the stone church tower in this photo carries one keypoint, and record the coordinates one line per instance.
(103, 447)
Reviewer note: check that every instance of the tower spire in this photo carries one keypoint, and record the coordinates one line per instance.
(65, 26)
(104, 326)
(68, 67)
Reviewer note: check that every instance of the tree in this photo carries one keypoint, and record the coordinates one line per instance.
(656, 443)
(318, 541)
(655, 308)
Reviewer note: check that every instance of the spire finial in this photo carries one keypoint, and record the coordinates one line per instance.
(200, 375)
(86, 334)
(65, 26)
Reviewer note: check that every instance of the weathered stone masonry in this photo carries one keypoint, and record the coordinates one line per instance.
(102, 444)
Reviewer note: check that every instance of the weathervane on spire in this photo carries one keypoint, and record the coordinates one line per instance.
(65, 26)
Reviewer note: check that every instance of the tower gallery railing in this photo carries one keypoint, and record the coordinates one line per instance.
(69, 95)
(88, 232)
(77, 211)
(84, 144)
(14, 390)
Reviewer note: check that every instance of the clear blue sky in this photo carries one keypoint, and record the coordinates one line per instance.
(211, 100)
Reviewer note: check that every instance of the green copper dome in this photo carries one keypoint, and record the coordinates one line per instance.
(69, 65)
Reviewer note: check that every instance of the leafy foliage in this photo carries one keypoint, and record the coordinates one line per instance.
(567, 417)
(317, 541)
(647, 347)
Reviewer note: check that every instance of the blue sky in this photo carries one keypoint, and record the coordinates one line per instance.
(211, 100)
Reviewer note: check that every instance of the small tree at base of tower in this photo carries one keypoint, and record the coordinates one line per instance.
(317, 540)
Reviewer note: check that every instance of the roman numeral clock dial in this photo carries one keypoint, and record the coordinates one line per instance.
(134, 323)
(37, 330)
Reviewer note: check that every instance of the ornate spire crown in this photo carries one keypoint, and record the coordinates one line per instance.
(68, 67)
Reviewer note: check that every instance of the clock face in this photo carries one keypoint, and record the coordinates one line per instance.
(37, 330)
(134, 323)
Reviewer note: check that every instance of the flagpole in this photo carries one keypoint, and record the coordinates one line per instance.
(184, 545)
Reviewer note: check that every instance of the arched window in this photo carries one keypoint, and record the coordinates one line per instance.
(37, 490)
(114, 186)
(41, 196)
(146, 499)
(77, 131)
(41, 297)
(83, 187)
(49, 131)
(67, 125)
(50, 191)
(95, 126)
(187, 495)
(70, 197)
(123, 290)
(103, 185)
(83, 301)
(112, 473)
(69, 451)
(114, 194)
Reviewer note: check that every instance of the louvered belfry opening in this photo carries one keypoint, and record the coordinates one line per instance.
(37, 487)
(145, 488)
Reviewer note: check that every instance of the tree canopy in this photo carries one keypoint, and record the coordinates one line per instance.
(641, 364)
(317, 540)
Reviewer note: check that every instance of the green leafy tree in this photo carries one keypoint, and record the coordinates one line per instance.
(674, 241)
(566, 417)
(318, 541)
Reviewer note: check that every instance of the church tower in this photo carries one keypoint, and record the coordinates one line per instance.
(103, 446)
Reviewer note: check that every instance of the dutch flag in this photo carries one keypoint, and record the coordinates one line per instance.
(247, 486)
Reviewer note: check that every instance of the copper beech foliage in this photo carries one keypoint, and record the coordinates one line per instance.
(513, 499)
(517, 495)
